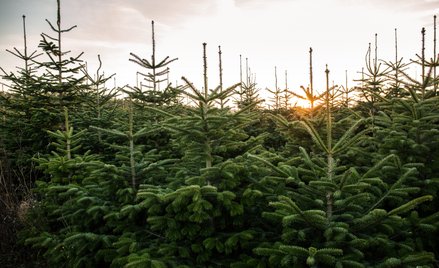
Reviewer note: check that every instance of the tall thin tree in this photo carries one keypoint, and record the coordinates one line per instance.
(435, 56)
(423, 62)
(222, 101)
(157, 74)
(310, 77)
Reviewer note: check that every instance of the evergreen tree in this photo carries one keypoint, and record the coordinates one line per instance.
(98, 108)
(21, 134)
(203, 129)
(286, 98)
(335, 216)
(134, 159)
(58, 216)
(373, 81)
(157, 70)
(247, 91)
(276, 99)
(222, 100)
(309, 91)
(207, 214)
(407, 127)
(61, 82)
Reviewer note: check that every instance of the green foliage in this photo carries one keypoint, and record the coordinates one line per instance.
(360, 218)
(98, 107)
(147, 182)
(153, 95)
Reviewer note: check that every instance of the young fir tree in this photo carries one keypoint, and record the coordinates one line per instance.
(407, 127)
(435, 56)
(98, 108)
(247, 91)
(239, 90)
(40, 92)
(208, 214)
(373, 81)
(287, 95)
(203, 128)
(61, 213)
(158, 72)
(282, 97)
(61, 80)
(82, 214)
(135, 159)
(62, 162)
(309, 91)
(87, 209)
(20, 137)
(154, 89)
(397, 67)
(276, 92)
(345, 92)
(337, 215)
(22, 123)
(222, 100)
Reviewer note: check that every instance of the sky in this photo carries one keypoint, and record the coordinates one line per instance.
(269, 33)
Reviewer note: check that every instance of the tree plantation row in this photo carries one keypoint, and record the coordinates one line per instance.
(164, 176)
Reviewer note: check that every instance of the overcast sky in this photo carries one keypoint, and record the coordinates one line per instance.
(268, 33)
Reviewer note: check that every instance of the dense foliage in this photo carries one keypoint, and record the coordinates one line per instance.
(146, 181)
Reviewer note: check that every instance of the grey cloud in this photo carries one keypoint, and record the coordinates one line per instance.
(12, 10)
(173, 10)
(167, 11)
(126, 21)
(105, 19)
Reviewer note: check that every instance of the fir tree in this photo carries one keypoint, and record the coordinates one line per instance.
(332, 214)
(205, 215)
(248, 92)
(99, 107)
(157, 70)
(286, 98)
(60, 81)
(133, 157)
(309, 91)
(222, 101)
(276, 99)
(374, 80)
(23, 124)
(208, 124)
